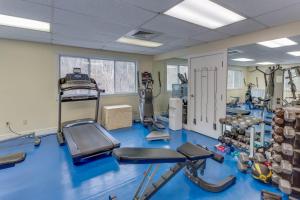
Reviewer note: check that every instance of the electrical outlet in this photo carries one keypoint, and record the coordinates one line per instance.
(25, 122)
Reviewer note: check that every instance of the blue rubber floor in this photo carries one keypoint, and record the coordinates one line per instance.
(48, 173)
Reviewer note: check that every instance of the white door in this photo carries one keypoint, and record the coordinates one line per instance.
(207, 93)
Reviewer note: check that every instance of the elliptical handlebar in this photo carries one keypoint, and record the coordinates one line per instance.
(147, 82)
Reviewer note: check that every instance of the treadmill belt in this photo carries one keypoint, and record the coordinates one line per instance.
(86, 139)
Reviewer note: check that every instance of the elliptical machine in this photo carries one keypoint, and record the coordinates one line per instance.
(145, 91)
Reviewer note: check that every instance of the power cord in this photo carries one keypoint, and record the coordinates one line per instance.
(10, 129)
(37, 140)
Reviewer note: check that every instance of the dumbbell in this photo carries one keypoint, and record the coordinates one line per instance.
(277, 157)
(227, 133)
(275, 178)
(259, 157)
(285, 186)
(277, 147)
(286, 167)
(278, 130)
(279, 113)
(227, 141)
(243, 161)
(278, 138)
(287, 149)
(234, 123)
(289, 132)
(278, 121)
(276, 168)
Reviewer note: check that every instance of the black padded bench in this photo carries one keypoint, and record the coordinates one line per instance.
(11, 160)
(192, 157)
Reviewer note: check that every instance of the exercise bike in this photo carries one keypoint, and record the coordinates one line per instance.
(146, 97)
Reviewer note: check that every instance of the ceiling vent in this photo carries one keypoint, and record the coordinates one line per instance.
(143, 34)
(234, 52)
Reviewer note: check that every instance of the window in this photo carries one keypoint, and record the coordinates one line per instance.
(235, 79)
(114, 76)
(287, 93)
(172, 74)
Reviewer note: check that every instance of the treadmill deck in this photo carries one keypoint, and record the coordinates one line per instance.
(85, 140)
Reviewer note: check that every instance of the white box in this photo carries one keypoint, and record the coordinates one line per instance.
(118, 116)
(175, 113)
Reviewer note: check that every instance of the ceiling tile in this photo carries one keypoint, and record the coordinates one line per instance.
(25, 9)
(184, 43)
(64, 40)
(261, 54)
(281, 16)
(242, 27)
(115, 46)
(83, 34)
(173, 27)
(154, 5)
(210, 36)
(44, 2)
(113, 11)
(253, 8)
(88, 23)
(24, 34)
(164, 38)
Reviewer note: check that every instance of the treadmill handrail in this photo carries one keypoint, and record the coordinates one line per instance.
(79, 87)
(73, 86)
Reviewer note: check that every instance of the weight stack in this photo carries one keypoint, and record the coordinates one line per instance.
(286, 150)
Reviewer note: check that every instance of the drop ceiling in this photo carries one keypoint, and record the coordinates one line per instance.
(264, 54)
(99, 23)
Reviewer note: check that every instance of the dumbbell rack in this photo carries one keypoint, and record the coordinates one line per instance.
(251, 122)
(286, 151)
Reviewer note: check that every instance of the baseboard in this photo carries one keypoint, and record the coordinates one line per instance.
(38, 132)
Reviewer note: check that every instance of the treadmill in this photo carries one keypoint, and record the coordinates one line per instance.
(85, 138)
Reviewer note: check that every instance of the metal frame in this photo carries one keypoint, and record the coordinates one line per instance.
(60, 93)
(147, 188)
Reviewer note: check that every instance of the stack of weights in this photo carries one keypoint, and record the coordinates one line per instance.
(285, 151)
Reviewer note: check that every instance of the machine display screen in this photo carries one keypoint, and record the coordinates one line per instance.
(76, 70)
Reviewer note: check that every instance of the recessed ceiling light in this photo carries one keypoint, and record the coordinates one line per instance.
(20, 22)
(204, 13)
(281, 42)
(294, 53)
(243, 59)
(138, 42)
(265, 63)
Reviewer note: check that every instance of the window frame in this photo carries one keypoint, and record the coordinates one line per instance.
(114, 59)
(178, 69)
(241, 86)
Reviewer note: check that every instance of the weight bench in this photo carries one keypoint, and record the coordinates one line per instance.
(192, 157)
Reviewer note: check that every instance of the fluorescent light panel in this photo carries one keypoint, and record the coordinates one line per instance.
(138, 42)
(204, 13)
(243, 59)
(294, 53)
(265, 63)
(281, 42)
(20, 22)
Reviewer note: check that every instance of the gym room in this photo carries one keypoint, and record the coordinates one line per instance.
(150, 99)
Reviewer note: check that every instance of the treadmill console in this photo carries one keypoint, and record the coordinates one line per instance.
(77, 78)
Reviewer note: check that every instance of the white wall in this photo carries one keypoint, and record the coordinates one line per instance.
(162, 101)
(28, 85)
